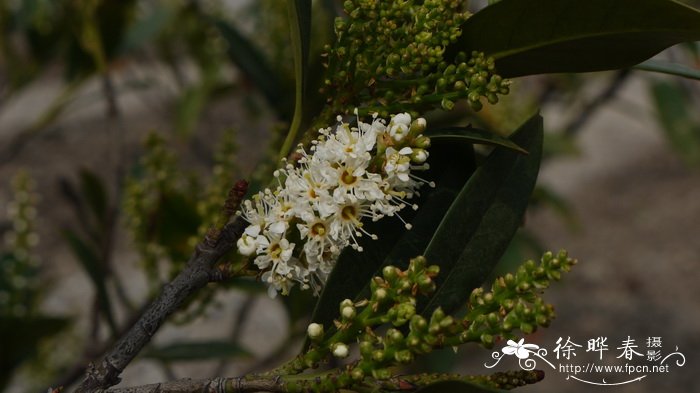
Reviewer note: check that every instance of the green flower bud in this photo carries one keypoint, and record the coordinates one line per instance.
(381, 373)
(403, 357)
(487, 340)
(447, 104)
(390, 273)
(366, 348)
(357, 374)
(419, 156)
(417, 127)
(422, 142)
(380, 294)
(394, 335)
(418, 324)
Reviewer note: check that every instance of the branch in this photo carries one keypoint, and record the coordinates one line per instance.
(591, 107)
(216, 385)
(197, 273)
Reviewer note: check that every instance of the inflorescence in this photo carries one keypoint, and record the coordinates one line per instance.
(514, 302)
(394, 54)
(348, 175)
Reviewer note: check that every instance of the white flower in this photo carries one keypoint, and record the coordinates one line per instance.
(272, 249)
(324, 199)
(399, 126)
(398, 163)
(247, 244)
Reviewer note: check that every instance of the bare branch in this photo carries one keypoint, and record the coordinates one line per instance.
(216, 385)
(197, 274)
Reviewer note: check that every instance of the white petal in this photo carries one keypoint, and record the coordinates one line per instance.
(278, 227)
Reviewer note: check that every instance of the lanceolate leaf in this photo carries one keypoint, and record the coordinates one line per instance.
(90, 261)
(473, 135)
(20, 340)
(544, 36)
(300, 25)
(95, 195)
(673, 104)
(669, 68)
(481, 222)
(451, 165)
(255, 66)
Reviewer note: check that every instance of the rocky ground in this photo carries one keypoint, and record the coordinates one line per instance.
(638, 246)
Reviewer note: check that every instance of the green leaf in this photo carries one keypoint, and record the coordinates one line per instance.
(675, 115)
(669, 68)
(483, 219)
(145, 29)
(95, 195)
(91, 263)
(473, 135)
(456, 387)
(174, 222)
(451, 165)
(255, 66)
(20, 338)
(545, 36)
(300, 25)
(196, 350)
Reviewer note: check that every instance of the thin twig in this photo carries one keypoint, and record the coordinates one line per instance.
(196, 275)
(591, 107)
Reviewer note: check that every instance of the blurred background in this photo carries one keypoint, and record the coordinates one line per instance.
(123, 123)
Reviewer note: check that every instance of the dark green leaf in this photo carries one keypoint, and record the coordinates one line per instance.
(91, 263)
(298, 305)
(189, 107)
(300, 26)
(95, 195)
(483, 219)
(456, 387)
(451, 165)
(255, 66)
(175, 221)
(196, 350)
(144, 30)
(676, 117)
(20, 338)
(473, 135)
(669, 68)
(544, 36)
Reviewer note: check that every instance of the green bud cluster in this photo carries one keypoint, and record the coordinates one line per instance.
(19, 266)
(390, 56)
(514, 301)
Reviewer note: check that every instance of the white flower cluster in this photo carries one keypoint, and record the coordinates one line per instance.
(350, 174)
